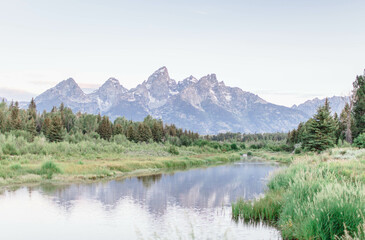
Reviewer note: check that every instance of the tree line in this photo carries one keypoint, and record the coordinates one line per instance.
(61, 122)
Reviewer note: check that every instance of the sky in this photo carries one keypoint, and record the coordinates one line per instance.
(285, 51)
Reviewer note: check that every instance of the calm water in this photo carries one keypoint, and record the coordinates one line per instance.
(181, 205)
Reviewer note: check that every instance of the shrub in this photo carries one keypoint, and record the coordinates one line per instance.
(234, 146)
(49, 168)
(10, 149)
(249, 153)
(225, 147)
(243, 146)
(173, 150)
(360, 141)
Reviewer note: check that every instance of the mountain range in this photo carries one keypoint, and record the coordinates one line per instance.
(205, 105)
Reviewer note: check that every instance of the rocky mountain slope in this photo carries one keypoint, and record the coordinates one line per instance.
(310, 107)
(205, 105)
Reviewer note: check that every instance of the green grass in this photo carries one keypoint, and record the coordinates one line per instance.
(316, 197)
(22, 161)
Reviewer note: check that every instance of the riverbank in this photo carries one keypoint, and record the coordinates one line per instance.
(319, 196)
(83, 162)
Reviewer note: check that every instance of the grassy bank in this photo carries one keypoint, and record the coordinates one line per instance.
(319, 196)
(38, 161)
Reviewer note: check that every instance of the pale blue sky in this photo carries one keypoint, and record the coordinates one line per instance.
(284, 51)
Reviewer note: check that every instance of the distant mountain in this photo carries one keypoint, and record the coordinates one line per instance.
(205, 105)
(310, 107)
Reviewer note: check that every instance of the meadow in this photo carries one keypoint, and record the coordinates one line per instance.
(318, 196)
(91, 159)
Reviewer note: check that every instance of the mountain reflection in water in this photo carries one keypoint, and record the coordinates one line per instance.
(182, 205)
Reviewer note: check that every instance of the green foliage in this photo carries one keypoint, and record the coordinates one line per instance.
(360, 141)
(105, 128)
(173, 150)
(234, 147)
(359, 106)
(157, 131)
(55, 133)
(48, 169)
(144, 132)
(118, 129)
(320, 130)
(131, 134)
(9, 149)
(309, 201)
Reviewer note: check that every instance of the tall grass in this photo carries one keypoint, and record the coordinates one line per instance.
(311, 200)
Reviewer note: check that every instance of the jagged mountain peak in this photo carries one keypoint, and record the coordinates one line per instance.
(112, 83)
(67, 87)
(69, 81)
(191, 79)
(210, 79)
(205, 105)
(337, 103)
(161, 73)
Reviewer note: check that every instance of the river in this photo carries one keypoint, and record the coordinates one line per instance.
(192, 204)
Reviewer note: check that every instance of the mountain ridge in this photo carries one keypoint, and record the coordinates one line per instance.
(205, 105)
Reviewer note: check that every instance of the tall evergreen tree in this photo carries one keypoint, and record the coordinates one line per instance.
(157, 131)
(31, 128)
(131, 135)
(2, 121)
(105, 128)
(46, 126)
(359, 106)
(16, 122)
(55, 133)
(144, 133)
(32, 110)
(320, 130)
(118, 129)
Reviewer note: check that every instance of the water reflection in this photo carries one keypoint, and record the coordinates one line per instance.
(182, 205)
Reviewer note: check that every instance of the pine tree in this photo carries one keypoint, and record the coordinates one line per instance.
(16, 123)
(105, 128)
(144, 133)
(359, 106)
(320, 130)
(157, 132)
(2, 121)
(32, 110)
(131, 133)
(46, 126)
(118, 129)
(55, 133)
(31, 128)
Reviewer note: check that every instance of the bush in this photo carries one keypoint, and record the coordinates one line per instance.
(360, 141)
(175, 141)
(225, 147)
(49, 168)
(234, 146)
(249, 153)
(243, 146)
(214, 145)
(21, 133)
(173, 150)
(10, 149)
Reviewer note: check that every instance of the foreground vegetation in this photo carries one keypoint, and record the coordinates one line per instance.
(26, 162)
(319, 196)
